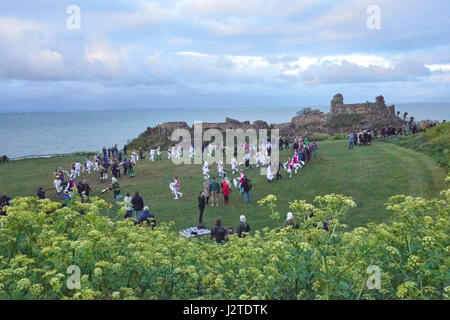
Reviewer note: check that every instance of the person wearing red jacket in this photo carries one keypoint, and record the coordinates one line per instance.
(225, 191)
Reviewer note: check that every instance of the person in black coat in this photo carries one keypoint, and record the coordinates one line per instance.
(201, 206)
(218, 232)
(138, 205)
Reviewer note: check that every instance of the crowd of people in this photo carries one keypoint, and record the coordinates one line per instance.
(302, 153)
(110, 161)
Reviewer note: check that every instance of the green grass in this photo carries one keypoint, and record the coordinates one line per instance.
(435, 142)
(369, 174)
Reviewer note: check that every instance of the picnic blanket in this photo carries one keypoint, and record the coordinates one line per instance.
(194, 232)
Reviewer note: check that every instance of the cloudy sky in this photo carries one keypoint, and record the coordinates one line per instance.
(220, 53)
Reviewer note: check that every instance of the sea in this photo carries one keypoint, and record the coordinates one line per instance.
(42, 133)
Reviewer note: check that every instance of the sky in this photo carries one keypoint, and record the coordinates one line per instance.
(130, 54)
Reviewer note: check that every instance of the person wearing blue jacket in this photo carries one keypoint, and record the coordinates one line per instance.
(147, 217)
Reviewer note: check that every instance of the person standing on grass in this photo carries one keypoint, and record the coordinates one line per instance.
(158, 153)
(351, 142)
(130, 168)
(128, 206)
(225, 191)
(58, 187)
(314, 149)
(125, 166)
(243, 227)
(206, 192)
(138, 205)
(125, 148)
(246, 186)
(116, 189)
(201, 207)
(214, 189)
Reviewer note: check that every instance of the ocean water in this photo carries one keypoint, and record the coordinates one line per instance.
(65, 132)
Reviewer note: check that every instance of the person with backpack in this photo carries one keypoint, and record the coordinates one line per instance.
(214, 189)
(243, 227)
(247, 186)
(218, 232)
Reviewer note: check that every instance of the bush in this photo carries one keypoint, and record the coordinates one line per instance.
(347, 120)
(121, 261)
(340, 136)
(320, 136)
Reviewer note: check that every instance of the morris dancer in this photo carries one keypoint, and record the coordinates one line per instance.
(133, 158)
(72, 171)
(220, 167)
(290, 167)
(89, 165)
(96, 161)
(169, 153)
(175, 187)
(206, 170)
(241, 180)
(152, 154)
(269, 173)
(77, 168)
(234, 166)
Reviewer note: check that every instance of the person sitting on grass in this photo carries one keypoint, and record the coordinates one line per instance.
(147, 218)
(218, 232)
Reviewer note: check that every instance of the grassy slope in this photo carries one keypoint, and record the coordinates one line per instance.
(369, 174)
(435, 142)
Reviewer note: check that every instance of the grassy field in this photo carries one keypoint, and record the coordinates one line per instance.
(368, 174)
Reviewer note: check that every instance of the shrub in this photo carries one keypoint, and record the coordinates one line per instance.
(347, 120)
(119, 260)
(320, 136)
(340, 136)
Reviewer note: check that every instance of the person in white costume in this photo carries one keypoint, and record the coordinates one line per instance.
(96, 161)
(269, 173)
(77, 168)
(133, 158)
(175, 188)
(234, 166)
(152, 154)
(205, 170)
(89, 165)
